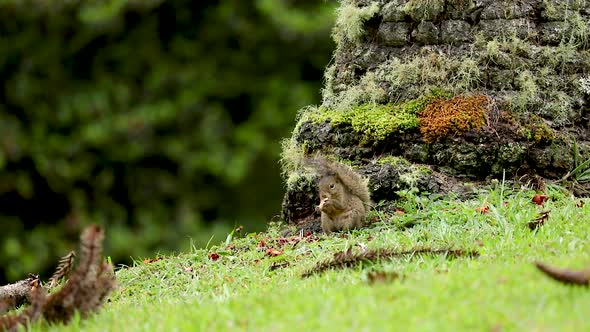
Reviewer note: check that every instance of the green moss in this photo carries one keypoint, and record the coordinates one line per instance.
(527, 97)
(430, 69)
(366, 91)
(393, 160)
(511, 152)
(421, 10)
(576, 31)
(350, 21)
(533, 128)
(558, 57)
(539, 89)
(493, 48)
(413, 174)
(409, 174)
(292, 156)
(561, 10)
(374, 122)
(558, 107)
(328, 88)
(508, 154)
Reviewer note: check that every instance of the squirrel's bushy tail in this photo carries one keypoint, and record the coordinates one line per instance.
(357, 184)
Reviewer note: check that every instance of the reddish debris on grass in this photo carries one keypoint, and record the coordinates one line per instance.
(483, 209)
(152, 260)
(539, 221)
(284, 240)
(188, 269)
(261, 244)
(273, 252)
(540, 199)
(230, 247)
(370, 238)
(213, 256)
(399, 212)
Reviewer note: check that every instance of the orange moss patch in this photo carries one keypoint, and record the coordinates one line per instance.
(455, 116)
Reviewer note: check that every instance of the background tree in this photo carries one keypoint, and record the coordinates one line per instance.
(159, 119)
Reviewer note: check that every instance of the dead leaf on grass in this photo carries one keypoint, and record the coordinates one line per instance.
(273, 252)
(483, 209)
(213, 256)
(540, 199)
(261, 244)
(152, 260)
(566, 276)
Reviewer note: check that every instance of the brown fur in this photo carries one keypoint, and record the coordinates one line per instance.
(344, 196)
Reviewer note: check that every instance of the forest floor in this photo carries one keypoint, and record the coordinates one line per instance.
(254, 281)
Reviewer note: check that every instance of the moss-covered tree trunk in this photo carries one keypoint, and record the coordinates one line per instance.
(430, 94)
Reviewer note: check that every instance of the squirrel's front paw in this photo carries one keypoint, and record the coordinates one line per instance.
(323, 203)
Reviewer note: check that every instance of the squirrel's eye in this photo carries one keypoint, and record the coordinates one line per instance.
(332, 186)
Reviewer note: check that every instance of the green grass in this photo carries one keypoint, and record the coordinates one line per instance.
(500, 289)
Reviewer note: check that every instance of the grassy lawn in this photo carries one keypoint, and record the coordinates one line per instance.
(246, 288)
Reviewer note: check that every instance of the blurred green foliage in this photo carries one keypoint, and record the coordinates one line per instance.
(159, 119)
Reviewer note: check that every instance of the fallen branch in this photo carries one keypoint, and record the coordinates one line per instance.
(30, 314)
(16, 294)
(575, 277)
(84, 292)
(346, 259)
(19, 293)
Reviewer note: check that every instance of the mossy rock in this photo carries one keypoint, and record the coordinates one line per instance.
(470, 90)
(388, 176)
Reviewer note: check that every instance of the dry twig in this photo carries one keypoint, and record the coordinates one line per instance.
(347, 258)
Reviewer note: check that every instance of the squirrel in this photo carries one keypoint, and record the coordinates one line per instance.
(344, 195)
